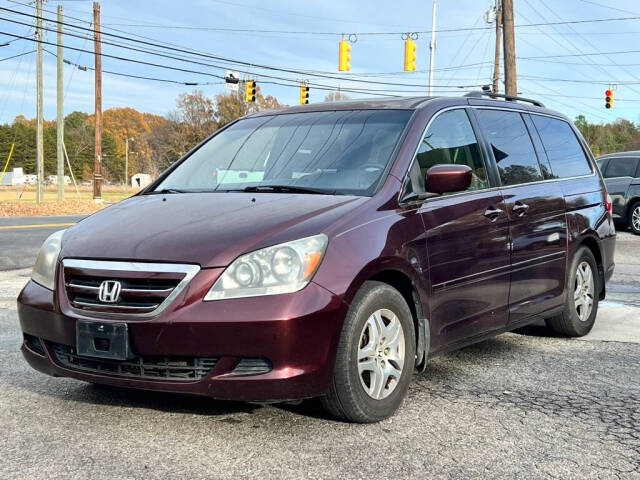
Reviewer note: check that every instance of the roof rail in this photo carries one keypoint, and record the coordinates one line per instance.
(509, 98)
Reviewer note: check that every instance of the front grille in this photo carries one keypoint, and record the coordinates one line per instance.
(144, 288)
(178, 369)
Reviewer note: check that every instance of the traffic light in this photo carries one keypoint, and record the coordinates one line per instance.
(304, 94)
(608, 98)
(410, 55)
(250, 94)
(343, 56)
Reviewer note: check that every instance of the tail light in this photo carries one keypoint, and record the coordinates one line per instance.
(609, 204)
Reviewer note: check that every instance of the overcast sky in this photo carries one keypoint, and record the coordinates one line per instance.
(563, 83)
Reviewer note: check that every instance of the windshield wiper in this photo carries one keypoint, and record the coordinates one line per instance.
(287, 188)
(165, 191)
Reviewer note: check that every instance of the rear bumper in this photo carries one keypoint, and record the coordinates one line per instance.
(296, 332)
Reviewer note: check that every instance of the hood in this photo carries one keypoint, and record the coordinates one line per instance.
(210, 229)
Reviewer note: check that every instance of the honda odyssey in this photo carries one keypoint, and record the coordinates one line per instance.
(328, 251)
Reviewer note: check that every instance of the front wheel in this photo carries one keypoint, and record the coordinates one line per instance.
(375, 356)
(583, 289)
(634, 218)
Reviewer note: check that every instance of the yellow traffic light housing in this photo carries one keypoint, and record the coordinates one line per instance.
(410, 48)
(608, 98)
(250, 94)
(304, 94)
(343, 56)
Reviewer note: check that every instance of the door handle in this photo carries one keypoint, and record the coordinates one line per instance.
(520, 208)
(492, 213)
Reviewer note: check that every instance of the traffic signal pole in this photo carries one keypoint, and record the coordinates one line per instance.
(432, 47)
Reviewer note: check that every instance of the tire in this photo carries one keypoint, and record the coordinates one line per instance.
(355, 395)
(634, 218)
(577, 319)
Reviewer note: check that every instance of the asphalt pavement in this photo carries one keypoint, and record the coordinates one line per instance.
(521, 405)
(21, 237)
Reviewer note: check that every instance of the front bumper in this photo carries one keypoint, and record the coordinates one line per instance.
(296, 332)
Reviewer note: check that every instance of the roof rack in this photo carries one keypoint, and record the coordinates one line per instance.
(509, 98)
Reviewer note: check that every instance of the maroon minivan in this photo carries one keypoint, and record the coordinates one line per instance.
(327, 251)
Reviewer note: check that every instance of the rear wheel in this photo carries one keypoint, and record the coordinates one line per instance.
(634, 218)
(583, 288)
(375, 357)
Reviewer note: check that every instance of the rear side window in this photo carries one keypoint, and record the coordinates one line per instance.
(621, 167)
(511, 145)
(562, 147)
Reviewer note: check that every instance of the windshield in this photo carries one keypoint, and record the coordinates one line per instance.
(341, 152)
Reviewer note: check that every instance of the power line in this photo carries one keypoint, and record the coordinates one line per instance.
(223, 59)
(339, 33)
(16, 56)
(173, 57)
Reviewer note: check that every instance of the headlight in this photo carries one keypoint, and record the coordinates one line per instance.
(44, 271)
(283, 268)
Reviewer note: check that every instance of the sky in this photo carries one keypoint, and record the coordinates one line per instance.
(306, 41)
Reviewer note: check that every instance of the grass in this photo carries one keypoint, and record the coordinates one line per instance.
(22, 201)
(28, 194)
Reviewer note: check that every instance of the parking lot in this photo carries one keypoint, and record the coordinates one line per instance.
(525, 405)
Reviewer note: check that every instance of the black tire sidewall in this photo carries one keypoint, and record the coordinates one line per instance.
(582, 327)
(375, 296)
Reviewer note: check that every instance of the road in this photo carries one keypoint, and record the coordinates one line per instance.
(21, 237)
(521, 405)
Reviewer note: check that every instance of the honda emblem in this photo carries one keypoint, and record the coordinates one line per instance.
(109, 291)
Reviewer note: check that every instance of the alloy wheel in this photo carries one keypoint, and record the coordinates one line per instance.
(381, 354)
(635, 218)
(584, 291)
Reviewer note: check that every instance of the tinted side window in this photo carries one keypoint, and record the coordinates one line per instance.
(563, 149)
(621, 167)
(450, 140)
(511, 145)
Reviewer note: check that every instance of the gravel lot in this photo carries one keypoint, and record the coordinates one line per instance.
(522, 405)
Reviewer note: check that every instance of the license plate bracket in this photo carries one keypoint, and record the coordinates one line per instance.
(103, 340)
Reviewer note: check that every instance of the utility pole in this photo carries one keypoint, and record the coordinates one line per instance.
(97, 158)
(60, 112)
(510, 80)
(496, 62)
(126, 162)
(432, 48)
(39, 131)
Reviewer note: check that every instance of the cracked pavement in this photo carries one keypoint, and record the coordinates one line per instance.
(521, 405)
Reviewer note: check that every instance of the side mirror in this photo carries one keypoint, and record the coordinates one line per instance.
(448, 178)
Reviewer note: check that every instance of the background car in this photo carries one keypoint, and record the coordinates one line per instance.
(621, 172)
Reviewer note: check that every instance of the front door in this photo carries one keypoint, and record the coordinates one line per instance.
(467, 237)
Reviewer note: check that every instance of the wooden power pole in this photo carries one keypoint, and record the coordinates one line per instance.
(60, 112)
(510, 80)
(97, 158)
(496, 62)
(39, 121)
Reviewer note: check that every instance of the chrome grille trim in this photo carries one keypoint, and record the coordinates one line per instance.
(189, 271)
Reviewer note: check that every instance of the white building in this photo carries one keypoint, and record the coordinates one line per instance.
(16, 177)
(140, 180)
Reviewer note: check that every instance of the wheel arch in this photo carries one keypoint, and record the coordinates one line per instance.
(406, 280)
(592, 244)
